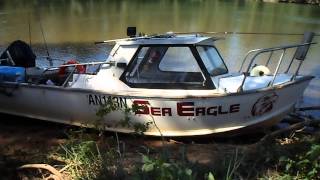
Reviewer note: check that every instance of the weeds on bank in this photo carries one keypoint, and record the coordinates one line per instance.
(88, 158)
(92, 156)
(165, 167)
(160, 168)
(126, 122)
(305, 165)
(83, 159)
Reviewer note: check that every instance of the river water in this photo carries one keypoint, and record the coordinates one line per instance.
(71, 26)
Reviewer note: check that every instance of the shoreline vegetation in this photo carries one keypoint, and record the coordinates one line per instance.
(314, 2)
(33, 149)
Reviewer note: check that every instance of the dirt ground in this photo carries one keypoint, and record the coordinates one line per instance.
(27, 141)
(24, 140)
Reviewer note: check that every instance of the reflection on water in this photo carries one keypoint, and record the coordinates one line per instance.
(71, 26)
(89, 20)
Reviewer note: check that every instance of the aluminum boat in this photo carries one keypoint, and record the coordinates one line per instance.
(179, 82)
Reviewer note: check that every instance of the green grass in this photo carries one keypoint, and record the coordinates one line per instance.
(95, 156)
(89, 156)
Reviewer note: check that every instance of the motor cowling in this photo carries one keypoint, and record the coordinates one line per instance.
(21, 54)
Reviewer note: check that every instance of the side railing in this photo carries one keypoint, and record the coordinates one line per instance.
(299, 55)
(74, 67)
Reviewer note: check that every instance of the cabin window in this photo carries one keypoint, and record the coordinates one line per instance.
(212, 60)
(124, 53)
(165, 67)
(179, 59)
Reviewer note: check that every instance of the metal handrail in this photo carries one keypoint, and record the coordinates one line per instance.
(79, 64)
(257, 52)
(263, 50)
(73, 70)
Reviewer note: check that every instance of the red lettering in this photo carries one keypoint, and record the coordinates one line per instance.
(200, 110)
(185, 109)
(142, 106)
(155, 111)
(166, 111)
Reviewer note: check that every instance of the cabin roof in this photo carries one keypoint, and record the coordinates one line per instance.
(170, 40)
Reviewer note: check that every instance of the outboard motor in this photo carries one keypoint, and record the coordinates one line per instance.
(20, 53)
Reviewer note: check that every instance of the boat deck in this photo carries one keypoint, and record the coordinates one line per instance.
(231, 84)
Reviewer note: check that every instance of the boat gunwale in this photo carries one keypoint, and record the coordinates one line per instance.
(14, 85)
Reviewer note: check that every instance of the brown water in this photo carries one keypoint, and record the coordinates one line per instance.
(71, 26)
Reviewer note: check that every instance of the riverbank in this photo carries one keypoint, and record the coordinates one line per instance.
(75, 153)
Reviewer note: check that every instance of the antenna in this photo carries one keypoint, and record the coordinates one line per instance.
(45, 42)
(29, 30)
(246, 33)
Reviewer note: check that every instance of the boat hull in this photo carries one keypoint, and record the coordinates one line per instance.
(188, 116)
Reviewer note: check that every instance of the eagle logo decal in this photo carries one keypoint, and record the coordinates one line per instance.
(264, 104)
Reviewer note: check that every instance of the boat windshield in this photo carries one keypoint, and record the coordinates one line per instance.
(165, 67)
(212, 60)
